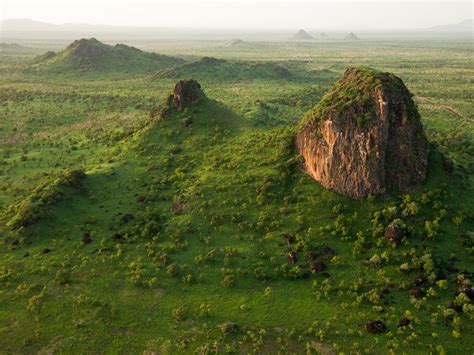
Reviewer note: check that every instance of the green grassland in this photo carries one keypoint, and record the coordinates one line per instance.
(172, 239)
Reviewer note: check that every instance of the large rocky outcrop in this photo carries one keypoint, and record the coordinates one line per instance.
(365, 136)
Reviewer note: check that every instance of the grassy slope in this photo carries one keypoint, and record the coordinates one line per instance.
(92, 56)
(240, 191)
(209, 68)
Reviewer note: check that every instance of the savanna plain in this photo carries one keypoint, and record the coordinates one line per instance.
(124, 230)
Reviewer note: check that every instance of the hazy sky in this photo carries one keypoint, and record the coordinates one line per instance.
(260, 14)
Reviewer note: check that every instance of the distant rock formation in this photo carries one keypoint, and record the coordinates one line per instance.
(236, 42)
(302, 35)
(351, 37)
(365, 136)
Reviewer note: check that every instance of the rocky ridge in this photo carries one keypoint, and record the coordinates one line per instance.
(365, 136)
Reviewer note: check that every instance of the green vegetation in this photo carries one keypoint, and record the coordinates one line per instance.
(200, 233)
(45, 195)
(351, 96)
(90, 55)
(213, 69)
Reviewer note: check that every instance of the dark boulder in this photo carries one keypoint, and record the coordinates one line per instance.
(404, 322)
(185, 93)
(375, 326)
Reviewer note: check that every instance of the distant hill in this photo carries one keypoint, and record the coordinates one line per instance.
(11, 47)
(209, 68)
(302, 35)
(464, 26)
(351, 37)
(92, 55)
(237, 42)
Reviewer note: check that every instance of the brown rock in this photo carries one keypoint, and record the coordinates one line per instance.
(186, 92)
(375, 326)
(365, 136)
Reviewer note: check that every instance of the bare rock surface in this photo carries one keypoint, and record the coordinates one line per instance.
(365, 136)
(186, 92)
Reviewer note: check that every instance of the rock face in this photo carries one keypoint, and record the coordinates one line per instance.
(186, 92)
(365, 136)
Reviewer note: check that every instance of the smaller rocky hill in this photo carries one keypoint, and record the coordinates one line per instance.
(185, 94)
(91, 55)
(188, 109)
(351, 37)
(302, 35)
(365, 136)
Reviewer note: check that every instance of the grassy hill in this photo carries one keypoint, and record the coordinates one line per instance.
(90, 55)
(209, 68)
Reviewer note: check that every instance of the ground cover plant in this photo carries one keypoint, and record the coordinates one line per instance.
(124, 229)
